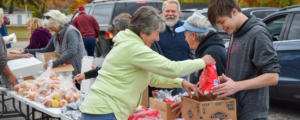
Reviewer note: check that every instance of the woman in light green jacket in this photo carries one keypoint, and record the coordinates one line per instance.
(131, 66)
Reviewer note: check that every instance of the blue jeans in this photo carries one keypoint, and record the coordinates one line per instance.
(89, 44)
(181, 90)
(109, 116)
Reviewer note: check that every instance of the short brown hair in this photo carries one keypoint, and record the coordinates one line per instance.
(118, 25)
(123, 15)
(220, 8)
(34, 23)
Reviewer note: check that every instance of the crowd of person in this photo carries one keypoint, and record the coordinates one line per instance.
(159, 51)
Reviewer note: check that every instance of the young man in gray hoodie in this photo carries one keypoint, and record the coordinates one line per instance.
(251, 63)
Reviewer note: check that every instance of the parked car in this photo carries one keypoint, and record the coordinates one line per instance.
(284, 27)
(186, 13)
(105, 11)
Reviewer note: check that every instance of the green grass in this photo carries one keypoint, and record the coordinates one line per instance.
(21, 32)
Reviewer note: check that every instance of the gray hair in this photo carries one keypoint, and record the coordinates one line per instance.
(198, 21)
(57, 20)
(171, 1)
(147, 20)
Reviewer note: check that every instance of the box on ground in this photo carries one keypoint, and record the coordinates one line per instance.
(87, 63)
(164, 109)
(203, 108)
(145, 98)
(65, 70)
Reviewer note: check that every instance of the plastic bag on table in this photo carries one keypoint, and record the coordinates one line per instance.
(72, 94)
(75, 114)
(54, 100)
(209, 79)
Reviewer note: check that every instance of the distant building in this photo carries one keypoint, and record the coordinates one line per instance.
(18, 17)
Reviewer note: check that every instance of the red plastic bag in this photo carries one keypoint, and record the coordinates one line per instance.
(143, 113)
(209, 78)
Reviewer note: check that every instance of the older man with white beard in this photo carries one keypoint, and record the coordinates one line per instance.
(173, 45)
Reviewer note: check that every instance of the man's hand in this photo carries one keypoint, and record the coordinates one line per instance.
(177, 106)
(27, 56)
(96, 40)
(226, 89)
(6, 43)
(188, 87)
(208, 59)
(12, 79)
(79, 78)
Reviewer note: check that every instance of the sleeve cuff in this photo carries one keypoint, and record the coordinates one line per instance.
(177, 83)
(202, 63)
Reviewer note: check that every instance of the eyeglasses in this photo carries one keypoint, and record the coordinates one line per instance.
(47, 17)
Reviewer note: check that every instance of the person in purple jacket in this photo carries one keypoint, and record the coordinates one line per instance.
(40, 36)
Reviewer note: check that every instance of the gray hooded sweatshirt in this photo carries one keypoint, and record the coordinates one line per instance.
(251, 54)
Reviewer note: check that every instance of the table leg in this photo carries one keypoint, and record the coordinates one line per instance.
(27, 111)
(32, 110)
(20, 109)
(47, 117)
(2, 102)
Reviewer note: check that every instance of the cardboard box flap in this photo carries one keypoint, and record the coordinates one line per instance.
(63, 68)
(51, 54)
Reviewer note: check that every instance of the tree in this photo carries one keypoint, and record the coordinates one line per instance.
(268, 3)
(54, 4)
(20, 2)
(75, 3)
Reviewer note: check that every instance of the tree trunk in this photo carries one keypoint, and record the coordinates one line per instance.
(11, 8)
(42, 10)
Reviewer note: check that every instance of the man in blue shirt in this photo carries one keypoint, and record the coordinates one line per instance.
(3, 32)
(173, 45)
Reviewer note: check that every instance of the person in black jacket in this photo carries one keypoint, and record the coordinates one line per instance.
(204, 41)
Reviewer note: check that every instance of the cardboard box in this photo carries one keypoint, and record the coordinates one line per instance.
(25, 66)
(164, 109)
(145, 98)
(65, 70)
(204, 109)
(87, 63)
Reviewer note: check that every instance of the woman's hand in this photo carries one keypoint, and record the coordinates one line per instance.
(79, 78)
(94, 67)
(188, 87)
(208, 59)
(46, 65)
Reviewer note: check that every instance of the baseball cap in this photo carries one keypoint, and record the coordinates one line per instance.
(187, 26)
(81, 7)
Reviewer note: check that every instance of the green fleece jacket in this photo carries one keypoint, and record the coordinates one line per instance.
(126, 72)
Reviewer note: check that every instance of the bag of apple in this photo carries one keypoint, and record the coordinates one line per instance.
(208, 79)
